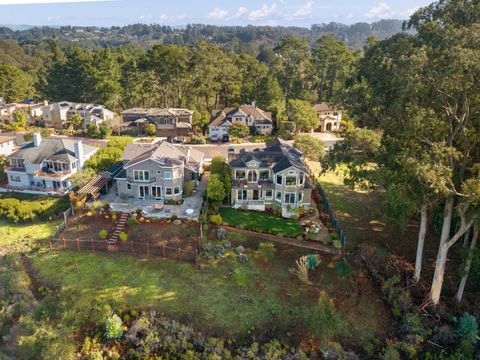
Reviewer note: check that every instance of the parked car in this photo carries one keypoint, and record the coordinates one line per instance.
(175, 139)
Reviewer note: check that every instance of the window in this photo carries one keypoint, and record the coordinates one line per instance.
(157, 192)
(168, 191)
(15, 178)
(239, 174)
(252, 176)
(176, 190)
(129, 186)
(279, 179)
(300, 197)
(241, 195)
(264, 175)
(291, 180)
(278, 195)
(301, 179)
(167, 175)
(141, 175)
(74, 165)
(268, 194)
(289, 198)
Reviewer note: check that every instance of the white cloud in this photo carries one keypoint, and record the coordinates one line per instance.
(242, 10)
(218, 14)
(22, 2)
(382, 11)
(54, 18)
(410, 11)
(304, 10)
(263, 12)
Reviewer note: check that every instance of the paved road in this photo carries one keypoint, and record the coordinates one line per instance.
(221, 149)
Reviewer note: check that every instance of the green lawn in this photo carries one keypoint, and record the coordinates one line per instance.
(11, 234)
(261, 221)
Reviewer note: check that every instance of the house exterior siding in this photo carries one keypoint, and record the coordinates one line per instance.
(165, 188)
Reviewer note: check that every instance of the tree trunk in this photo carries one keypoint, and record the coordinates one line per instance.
(442, 253)
(463, 282)
(421, 242)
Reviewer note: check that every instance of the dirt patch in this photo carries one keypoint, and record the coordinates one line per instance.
(88, 227)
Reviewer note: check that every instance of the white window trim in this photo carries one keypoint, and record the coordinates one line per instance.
(268, 197)
(143, 172)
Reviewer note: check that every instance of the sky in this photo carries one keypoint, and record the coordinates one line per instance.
(105, 13)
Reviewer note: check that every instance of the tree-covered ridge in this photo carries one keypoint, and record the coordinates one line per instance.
(236, 37)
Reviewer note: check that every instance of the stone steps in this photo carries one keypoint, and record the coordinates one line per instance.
(120, 226)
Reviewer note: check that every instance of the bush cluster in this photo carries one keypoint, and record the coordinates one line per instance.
(45, 208)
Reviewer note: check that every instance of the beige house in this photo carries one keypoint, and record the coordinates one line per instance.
(329, 117)
(56, 115)
(169, 121)
(249, 115)
(157, 171)
(270, 178)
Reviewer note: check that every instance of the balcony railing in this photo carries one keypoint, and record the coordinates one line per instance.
(13, 168)
(51, 174)
(255, 184)
(149, 181)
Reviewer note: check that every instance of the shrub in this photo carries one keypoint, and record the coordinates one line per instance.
(337, 244)
(132, 221)
(198, 139)
(103, 234)
(267, 251)
(221, 233)
(216, 219)
(123, 236)
(113, 327)
(188, 188)
(467, 328)
(334, 236)
(243, 258)
(301, 270)
(398, 298)
(343, 268)
(313, 261)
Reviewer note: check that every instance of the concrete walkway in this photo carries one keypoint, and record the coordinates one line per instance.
(316, 246)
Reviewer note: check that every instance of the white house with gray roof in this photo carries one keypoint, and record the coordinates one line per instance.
(56, 115)
(249, 115)
(45, 165)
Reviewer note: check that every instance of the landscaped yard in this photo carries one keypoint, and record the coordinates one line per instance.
(11, 234)
(259, 221)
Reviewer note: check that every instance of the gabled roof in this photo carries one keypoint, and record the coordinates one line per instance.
(51, 149)
(278, 154)
(323, 107)
(259, 116)
(164, 153)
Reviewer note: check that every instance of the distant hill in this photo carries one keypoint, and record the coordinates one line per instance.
(248, 37)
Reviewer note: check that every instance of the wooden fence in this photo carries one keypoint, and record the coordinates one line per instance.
(128, 247)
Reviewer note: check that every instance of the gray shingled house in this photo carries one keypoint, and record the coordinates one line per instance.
(158, 171)
(271, 178)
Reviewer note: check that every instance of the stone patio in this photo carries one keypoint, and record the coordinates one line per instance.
(190, 209)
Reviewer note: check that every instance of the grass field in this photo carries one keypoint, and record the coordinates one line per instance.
(15, 234)
(261, 221)
(224, 297)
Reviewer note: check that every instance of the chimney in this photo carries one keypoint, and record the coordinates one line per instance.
(231, 154)
(253, 103)
(79, 154)
(37, 139)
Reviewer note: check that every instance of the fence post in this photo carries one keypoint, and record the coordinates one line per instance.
(131, 247)
(78, 245)
(148, 249)
(93, 245)
(179, 254)
(64, 243)
(50, 242)
(196, 258)
(163, 248)
(65, 219)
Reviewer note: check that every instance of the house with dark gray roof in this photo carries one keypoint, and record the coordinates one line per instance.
(168, 121)
(270, 178)
(249, 115)
(158, 171)
(46, 165)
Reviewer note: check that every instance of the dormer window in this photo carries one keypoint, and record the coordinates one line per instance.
(291, 180)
